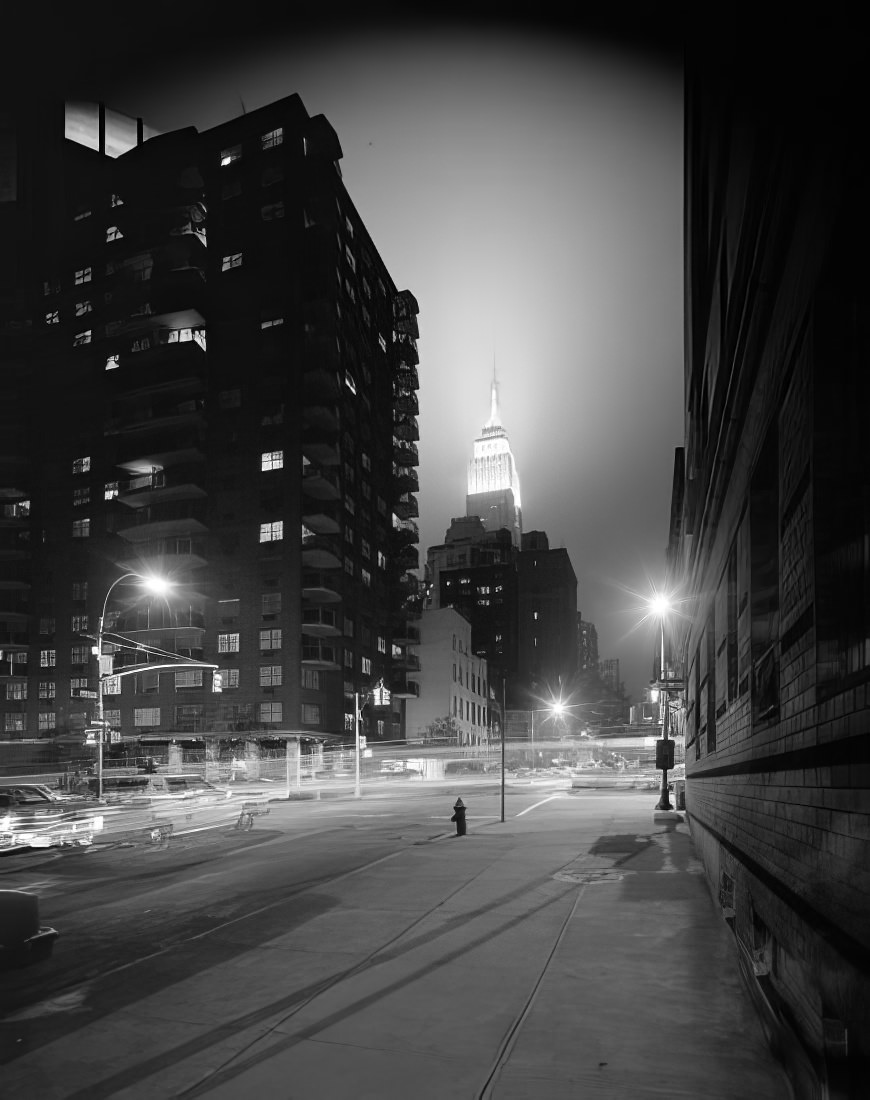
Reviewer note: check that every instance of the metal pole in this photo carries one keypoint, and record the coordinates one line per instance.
(534, 765)
(100, 727)
(664, 802)
(356, 789)
(502, 746)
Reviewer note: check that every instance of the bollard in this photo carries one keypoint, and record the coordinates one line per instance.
(459, 816)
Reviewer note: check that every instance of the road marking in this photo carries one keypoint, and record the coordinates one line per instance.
(541, 803)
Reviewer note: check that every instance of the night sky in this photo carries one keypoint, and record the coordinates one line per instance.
(524, 181)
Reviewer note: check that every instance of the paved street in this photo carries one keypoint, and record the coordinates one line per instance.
(349, 948)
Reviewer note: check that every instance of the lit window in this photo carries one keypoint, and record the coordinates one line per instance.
(78, 683)
(382, 559)
(272, 322)
(272, 531)
(81, 338)
(53, 317)
(270, 638)
(234, 259)
(189, 678)
(46, 689)
(350, 381)
(14, 723)
(110, 490)
(117, 200)
(229, 156)
(81, 528)
(77, 624)
(84, 275)
(146, 716)
(47, 719)
(113, 233)
(228, 643)
(16, 689)
(366, 666)
(230, 678)
(271, 712)
(382, 644)
(112, 362)
(382, 342)
(82, 214)
(272, 138)
(366, 577)
(270, 675)
(351, 293)
(349, 257)
(272, 460)
(112, 686)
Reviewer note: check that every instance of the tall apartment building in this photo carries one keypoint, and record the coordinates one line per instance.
(216, 381)
(547, 617)
(587, 642)
(770, 533)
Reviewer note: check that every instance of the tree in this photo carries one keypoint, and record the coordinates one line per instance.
(444, 730)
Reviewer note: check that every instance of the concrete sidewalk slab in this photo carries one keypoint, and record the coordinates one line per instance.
(560, 953)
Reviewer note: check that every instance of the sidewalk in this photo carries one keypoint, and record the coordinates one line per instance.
(573, 953)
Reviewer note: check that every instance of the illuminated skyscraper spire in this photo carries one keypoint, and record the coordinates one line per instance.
(493, 481)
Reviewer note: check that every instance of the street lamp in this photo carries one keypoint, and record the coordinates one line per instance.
(157, 585)
(660, 606)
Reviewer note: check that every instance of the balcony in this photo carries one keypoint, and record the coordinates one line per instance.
(404, 531)
(403, 688)
(320, 482)
(323, 418)
(406, 347)
(406, 506)
(166, 520)
(405, 480)
(406, 379)
(168, 556)
(320, 551)
(160, 448)
(178, 289)
(405, 427)
(322, 523)
(160, 486)
(409, 661)
(321, 451)
(161, 364)
(405, 453)
(325, 657)
(407, 557)
(159, 617)
(320, 588)
(406, 633)
(405, 310)
(406, 403)
(322, 622)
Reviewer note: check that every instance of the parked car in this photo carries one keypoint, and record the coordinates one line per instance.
(149, 790)
(32, 816)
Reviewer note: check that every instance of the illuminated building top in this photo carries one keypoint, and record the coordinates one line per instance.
(493, 481)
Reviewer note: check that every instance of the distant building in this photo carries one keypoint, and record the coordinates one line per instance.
(453, 681)
(587, 646)
(609, 672)
(493, 481)
(547, 618)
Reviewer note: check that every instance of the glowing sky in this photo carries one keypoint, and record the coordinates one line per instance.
(525, 183)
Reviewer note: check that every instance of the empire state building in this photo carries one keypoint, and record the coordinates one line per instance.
(493, 481)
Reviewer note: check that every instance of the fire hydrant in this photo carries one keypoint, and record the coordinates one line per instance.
(459, 816)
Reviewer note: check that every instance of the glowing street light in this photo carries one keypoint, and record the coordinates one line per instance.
(156, 585)
(660, 606)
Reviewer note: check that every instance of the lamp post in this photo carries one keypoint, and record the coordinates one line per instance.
(153, 584)
(660, 605)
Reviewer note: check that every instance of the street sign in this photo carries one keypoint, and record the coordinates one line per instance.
(664, 754)
(115, 735)
(362, 742)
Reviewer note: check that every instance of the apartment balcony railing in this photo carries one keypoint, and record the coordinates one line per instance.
(320, 482)
(405, 427)
(320, 621)
(320, 588)
(320, 656)
(320, 551)
(405, 479)
(406, 506)
(405, 453)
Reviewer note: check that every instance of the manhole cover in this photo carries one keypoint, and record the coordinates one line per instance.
(588, 877)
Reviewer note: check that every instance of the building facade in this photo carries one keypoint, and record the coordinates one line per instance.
(493, 480)
(769, 536)
(454, 684)
(217, 384)
(547, 614)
